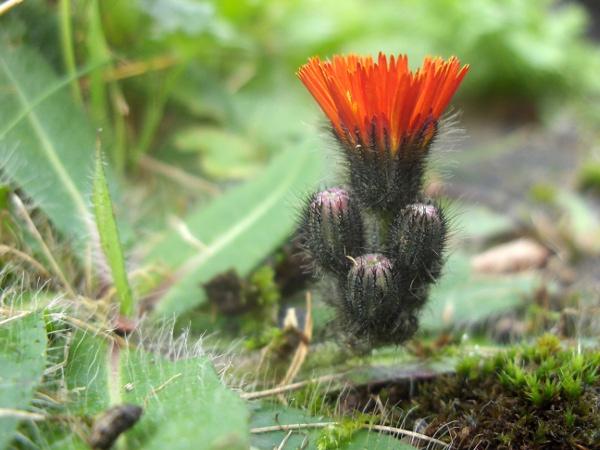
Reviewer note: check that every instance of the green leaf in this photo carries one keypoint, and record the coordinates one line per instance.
(462, 296)
(185, 16)
(580, 219)
(193, 410)
(45, 142)
(98, 51)
(269, 415)
(388, 365)
(238, 230)
(22, 364)
(109, 236)
(87, 374)
(375, 440)
(224, 155)
(480, 222)
(185, 403)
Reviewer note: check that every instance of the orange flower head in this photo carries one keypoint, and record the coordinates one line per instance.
(383, 106)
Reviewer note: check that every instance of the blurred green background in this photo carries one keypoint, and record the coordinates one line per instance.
(196, 98)
(210, 142)
(183, 77)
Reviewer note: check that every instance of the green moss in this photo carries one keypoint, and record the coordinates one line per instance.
(335, 436)
(250, 305)
(468, 366)
(541, 395)
(264, 336)
(589, 176)
(312, 399)
(506, 439)
(536, 396)
(263, 286)
(542, 193)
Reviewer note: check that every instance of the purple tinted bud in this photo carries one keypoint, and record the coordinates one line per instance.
(416, 243)
(334, 230)
(327, 210)
(374, 270)
(426, 216)
(369, 281)
(424, 210)
(332, 196)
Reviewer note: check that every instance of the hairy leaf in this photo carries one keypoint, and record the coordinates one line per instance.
(185, 403)
(192, 410)
(22, 363)
(236, 231)
(109, 237)
(46, 145)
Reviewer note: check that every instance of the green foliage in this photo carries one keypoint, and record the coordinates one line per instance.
(266, 414)
(224, 155)
(244, 307)
(468, 366)
(511, 41)
(531, 390)
(46, 145)
(371, 440)
(517, 49)
(313, 432)
(589, 176)
(335, 436)
(179, 395)
(109, 236)
(187, 411)
(263, 337)
(22, 364)
(512, 376)
(236, 231)
(542, 193)
(263, 286)
(206, 88)
(462, 297)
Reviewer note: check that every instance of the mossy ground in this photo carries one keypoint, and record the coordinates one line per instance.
(542, 395)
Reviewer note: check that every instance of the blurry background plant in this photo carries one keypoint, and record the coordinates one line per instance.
(207, 146)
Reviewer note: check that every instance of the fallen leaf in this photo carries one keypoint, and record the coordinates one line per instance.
(515, 256)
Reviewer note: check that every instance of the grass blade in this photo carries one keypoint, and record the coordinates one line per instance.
(109, 235)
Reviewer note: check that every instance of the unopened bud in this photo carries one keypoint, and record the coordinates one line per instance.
(423, 211)
(416, 243)
(375, 309)
(369, 281)
(327, 210)
(334, 230)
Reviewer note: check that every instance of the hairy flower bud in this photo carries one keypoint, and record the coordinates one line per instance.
(416, 243)
(369, 281)
(374, 310)
(334, 230)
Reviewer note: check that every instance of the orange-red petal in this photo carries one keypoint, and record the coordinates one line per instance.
(377, 103)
